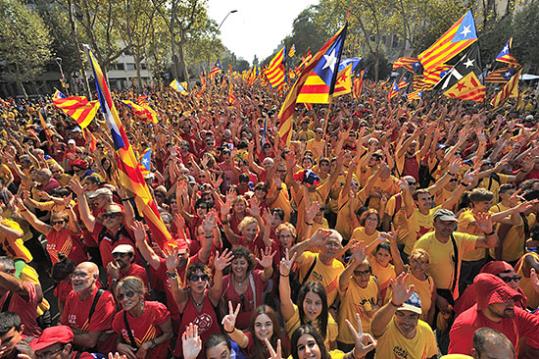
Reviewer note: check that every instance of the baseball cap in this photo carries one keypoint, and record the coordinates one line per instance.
(123, 248)
(60, 334)
(445, 215)
(491, 289)
(71, 142)
(412, 304)
(100, 192)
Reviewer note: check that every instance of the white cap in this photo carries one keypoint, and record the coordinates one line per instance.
(123, 248)
(71, 142)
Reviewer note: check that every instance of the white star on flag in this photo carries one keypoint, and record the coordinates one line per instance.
(469, 63)
(330, 61)
(466, 31)
(145, 162)
(505, 49)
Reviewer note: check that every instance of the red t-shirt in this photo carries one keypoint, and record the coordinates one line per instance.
(25, 308)
(522, 325)
(144, 328)
(62, 290)
(246, 299)
(108, 242)
(135, 271)
(76, 311)
(64, 242)
(206, 319)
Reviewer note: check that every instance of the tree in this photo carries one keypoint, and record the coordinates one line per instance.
(24, 43)
(526, 35)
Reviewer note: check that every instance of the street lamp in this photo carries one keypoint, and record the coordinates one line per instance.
(226, 17)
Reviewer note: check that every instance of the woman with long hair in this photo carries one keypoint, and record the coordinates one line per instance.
(264, 326)
(244, 284)
(144, 328)
(312, 305)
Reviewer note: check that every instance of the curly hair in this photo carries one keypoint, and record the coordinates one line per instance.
(242, 252)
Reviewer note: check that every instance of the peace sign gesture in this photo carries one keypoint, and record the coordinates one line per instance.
(364, 342)
(286, 263)
(229, 320)
(274, 353)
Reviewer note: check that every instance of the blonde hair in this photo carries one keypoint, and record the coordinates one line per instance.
(131, 283)
(246, 221)
(420, 255)
(287, 226)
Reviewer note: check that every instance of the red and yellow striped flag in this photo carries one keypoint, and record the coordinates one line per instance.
(275, 71)
(358, 85)
(129, 173)
(231, 96)
(343, 84)
(78, 108)
(510, 89)
(459, 36)
(287, 111)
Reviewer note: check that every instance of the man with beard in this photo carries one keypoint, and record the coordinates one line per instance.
(12, 340)
(123, 266)
(88, 310)
(495, 309)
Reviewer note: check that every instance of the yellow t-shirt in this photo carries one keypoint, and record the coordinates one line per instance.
(466, 218)
(389, 186)
(357, 300)
(393, 345)
(418, 225)
(5, 173)
(424, 289)
(359, 235)
(334, 354)
(396, 210)
(344, 219)
(295, 321)
(383, 274)
(513, 244)
(15, 249)
(492, 185)
(328, 275)
(441, 266)
(283, 202)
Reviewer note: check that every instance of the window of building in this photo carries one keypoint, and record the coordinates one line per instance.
(130, 67)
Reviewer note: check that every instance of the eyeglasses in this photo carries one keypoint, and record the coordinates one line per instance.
(58, 222)
(515, 278)
(112, 215)
(128, 294)
(410, 183)
(196, 277)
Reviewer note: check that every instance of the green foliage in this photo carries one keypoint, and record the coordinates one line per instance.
(526, 35)
(24, 42)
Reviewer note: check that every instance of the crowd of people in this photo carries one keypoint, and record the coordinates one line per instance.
(385, 229)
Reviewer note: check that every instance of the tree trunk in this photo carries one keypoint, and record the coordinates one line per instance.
(182, 69)
(21, 87)
(77, 45)
(376, 67)
(137, 66)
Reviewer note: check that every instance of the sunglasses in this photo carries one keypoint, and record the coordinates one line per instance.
(196, 277)
(111, 215)
(515, 278)
(128, 294)
(58, 222)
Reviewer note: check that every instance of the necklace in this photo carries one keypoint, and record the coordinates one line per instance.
(197, 304)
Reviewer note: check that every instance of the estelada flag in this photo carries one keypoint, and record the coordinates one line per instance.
(343, 85)
(510, 89)
(467, 88)
(319, 86)
(455, 40)
(506, 56)
(358, 85)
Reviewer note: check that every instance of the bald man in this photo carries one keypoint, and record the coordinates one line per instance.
(89, 311)
(488, 344)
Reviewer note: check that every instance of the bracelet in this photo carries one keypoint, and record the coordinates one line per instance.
(172, 274)
(490, 234)
(227, 332)
(309, 224)
(393, 304)
(286, 276)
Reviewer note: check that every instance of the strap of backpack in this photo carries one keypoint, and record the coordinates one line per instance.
(5, 306)
(526, 226)
(455, 264)
(128, 328)
(309, 272)
(253, 288)
(94, 303)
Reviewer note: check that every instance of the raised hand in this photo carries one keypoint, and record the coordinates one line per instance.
(364, 342)
(483, 221)
(401, 292)
(312, 211)
(285, 266)
(139, 231)
(223, 260)
(254, 209)
(76, 187)
(172, 260)
(274, 353)
(229, 320)
(116, 356)
(191, 342)
(320, 237)
(266, 257)
(209, 222)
